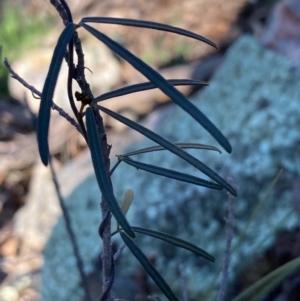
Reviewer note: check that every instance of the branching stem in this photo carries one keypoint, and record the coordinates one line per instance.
(39, 94)
(77, 73)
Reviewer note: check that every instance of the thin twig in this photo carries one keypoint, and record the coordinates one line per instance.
(108, 283)
(70, 78)
(153, 298)
(70, 89)
(119, 252)
(115, 166)
(182, 277)
(79, 74)
(227, 254)
(71, 233)
(38, 93)
(105, 226)
(296, 197)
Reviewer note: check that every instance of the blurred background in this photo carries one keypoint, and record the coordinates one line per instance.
(28, 34)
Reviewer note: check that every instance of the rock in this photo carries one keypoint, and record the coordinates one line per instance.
(43, 208)
(42, 203)
(9, 293)
(254, 99)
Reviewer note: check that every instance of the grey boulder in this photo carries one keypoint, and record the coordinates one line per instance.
(254, 100)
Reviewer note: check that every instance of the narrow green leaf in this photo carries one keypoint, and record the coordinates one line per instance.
(148, 24)
(48, 91)
(172, 148)
(169, 173)
(162, 84)
(153, 273)
(101, 175)
(180, 145)
(147, 86)
(265, 285)
(175, 241)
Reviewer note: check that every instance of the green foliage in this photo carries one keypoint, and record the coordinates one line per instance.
(172, 174)
(181, 145)
(18, 34)
(148, 24)
(153, 273)
(95, 131)
(146, 86)
(48, 91)
(101, 175)
(172, 148)
(162, 84)
(99, 158)
(175, 241)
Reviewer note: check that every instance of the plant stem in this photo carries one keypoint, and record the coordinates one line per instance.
(71, 233)
(105, 226)
(60, 111)
(78, 75)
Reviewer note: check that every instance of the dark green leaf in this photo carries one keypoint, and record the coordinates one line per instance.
(265, 285)
(180, 145)
(147, 24)
(175, 241)
(101, 174)
(172, 148)
(162, 84)
(153, 273)
(146, 86)
(48, 91)
(169, 173)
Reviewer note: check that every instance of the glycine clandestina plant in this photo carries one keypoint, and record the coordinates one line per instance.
(90, 124)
